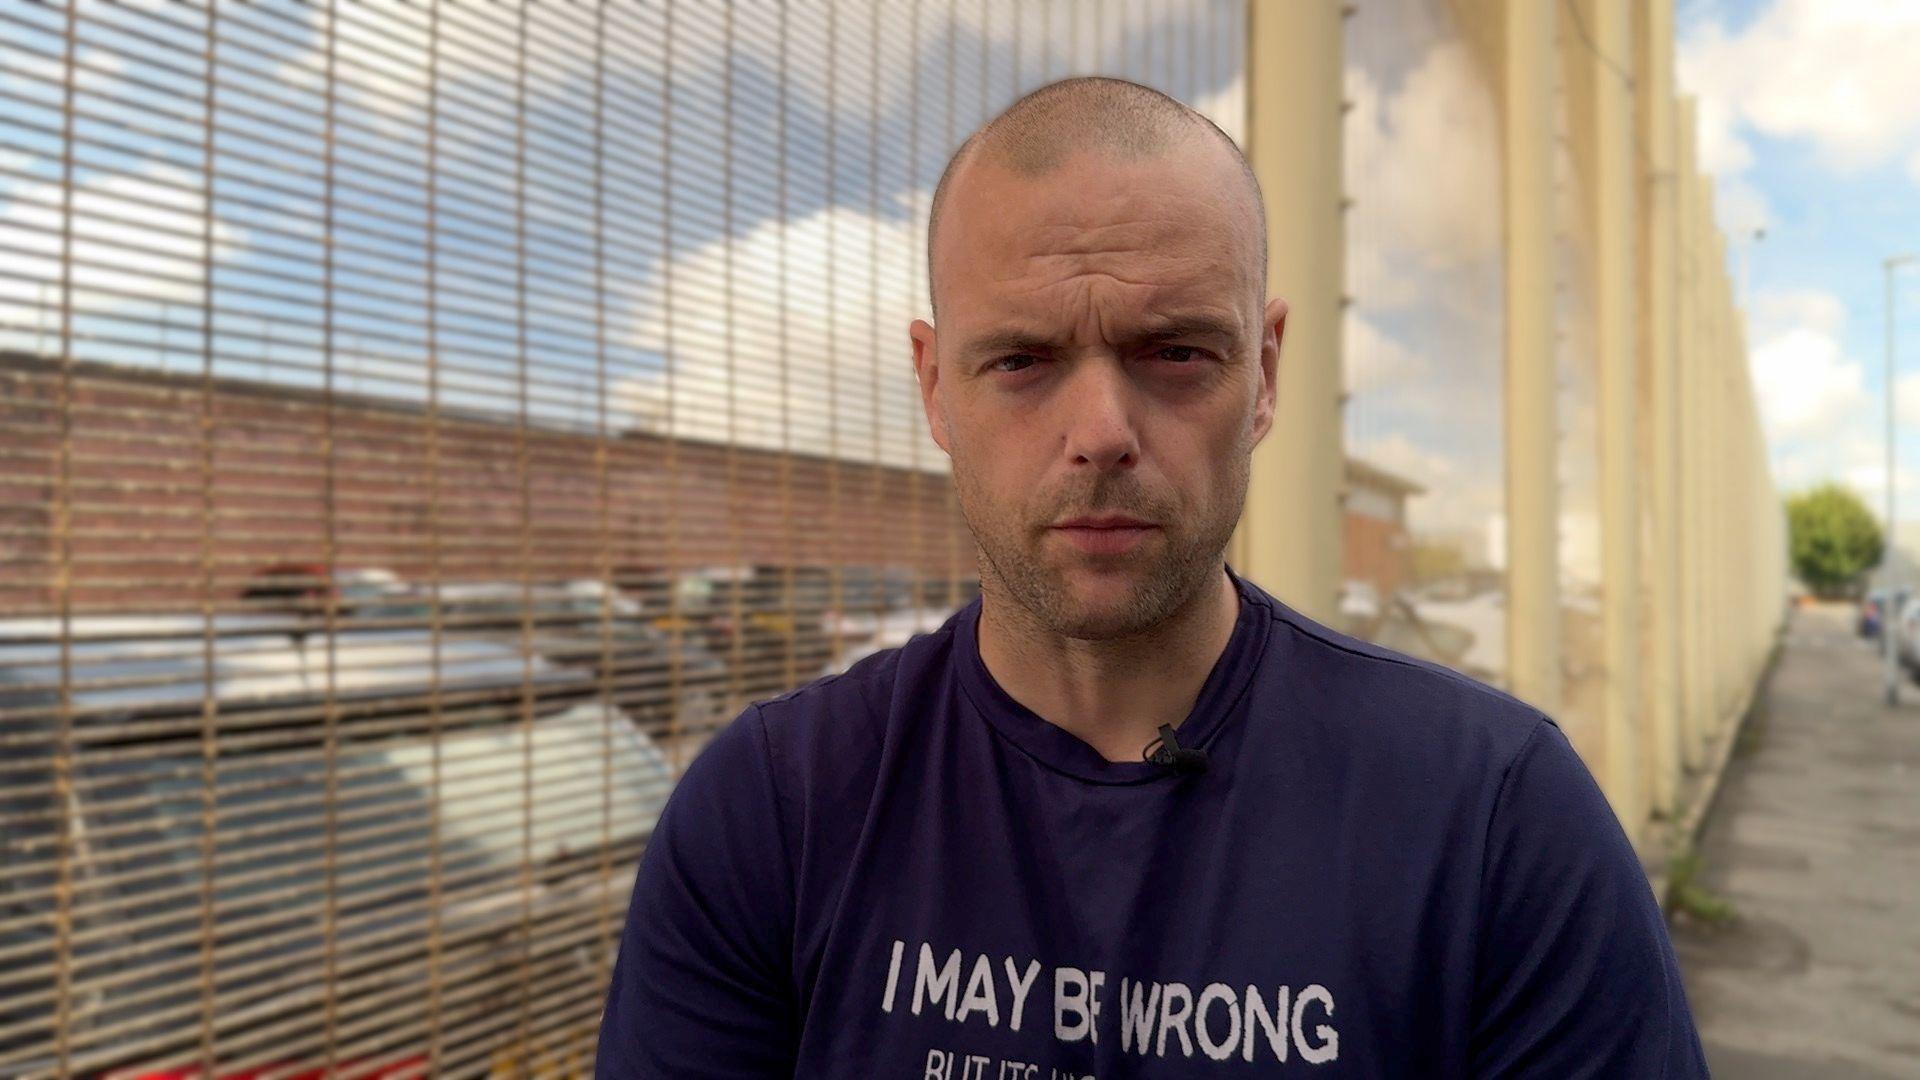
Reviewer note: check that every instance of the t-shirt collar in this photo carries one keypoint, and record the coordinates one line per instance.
(1220, 697)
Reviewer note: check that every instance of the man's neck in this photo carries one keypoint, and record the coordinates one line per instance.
(1114, 694)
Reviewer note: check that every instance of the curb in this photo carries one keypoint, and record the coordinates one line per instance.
(1682, 835)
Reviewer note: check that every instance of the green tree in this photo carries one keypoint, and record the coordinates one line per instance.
(1834, 538)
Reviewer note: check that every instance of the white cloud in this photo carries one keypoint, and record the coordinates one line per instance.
(1823, 423)
(1375, 359)
(1856, 459)
(1423, 235)
(557, 49)
(1837, 73)
(1423, 265)
(1460, 500)
(1809, 390)
(1721, 151)
(1776, 311)
(1422, 162)
(1380, 278)
(1806, 386)
(814, 367)
(1906, 401)
(136, 245)
(800, 379)
(26, 67)
(1740, 208)
(1400, 455)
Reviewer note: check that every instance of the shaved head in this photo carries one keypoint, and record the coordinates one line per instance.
(1112, 117)
(1106, 350)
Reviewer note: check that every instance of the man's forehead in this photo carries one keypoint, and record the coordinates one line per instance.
(1140, 279)
(1125, 297)
(1163, 224)
(1091, 189)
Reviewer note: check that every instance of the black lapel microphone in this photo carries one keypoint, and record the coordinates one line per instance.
(1166, 750)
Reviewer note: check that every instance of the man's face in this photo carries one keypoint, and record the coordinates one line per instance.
(1103, 352)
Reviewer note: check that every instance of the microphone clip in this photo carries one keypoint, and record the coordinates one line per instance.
(1166, 750)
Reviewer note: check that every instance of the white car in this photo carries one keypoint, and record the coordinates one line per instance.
(1359, 604)
(862, 634)
(1906, 637)
(443, 824)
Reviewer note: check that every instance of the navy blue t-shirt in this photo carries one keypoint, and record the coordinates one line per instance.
(1388, 869)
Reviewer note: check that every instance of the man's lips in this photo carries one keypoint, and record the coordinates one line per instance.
(1105, 521)
(1104, 534)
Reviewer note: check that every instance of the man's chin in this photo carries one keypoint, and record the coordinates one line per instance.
(1096, 604)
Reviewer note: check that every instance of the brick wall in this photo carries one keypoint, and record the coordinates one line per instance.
(164, 473)
(1377, 551)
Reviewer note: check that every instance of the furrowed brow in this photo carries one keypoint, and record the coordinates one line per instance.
(1192, 326)
(1006, 341)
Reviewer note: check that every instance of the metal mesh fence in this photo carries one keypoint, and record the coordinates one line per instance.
(423, 425)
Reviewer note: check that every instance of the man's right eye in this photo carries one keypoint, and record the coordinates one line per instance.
(1020, 361)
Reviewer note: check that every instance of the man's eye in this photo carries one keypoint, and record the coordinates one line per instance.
(1020, 362)
(1179, 354)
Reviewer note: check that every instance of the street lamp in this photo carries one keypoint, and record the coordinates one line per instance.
(1753, 236)
(1886, 585)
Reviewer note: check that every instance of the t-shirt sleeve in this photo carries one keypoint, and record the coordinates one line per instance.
(1575, 972)
(701, 983)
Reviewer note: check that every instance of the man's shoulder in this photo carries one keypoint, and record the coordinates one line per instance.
(1374, 687)
(842, 720)
(867, 683)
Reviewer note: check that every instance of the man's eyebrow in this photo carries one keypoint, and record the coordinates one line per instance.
(1171, 329)
(1184, 326)
(1007, 341)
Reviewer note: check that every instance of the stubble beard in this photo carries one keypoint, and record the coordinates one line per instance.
(1169, 569)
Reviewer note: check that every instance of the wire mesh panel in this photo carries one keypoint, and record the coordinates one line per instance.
(1425, 508)
(1582, 578)
(420, 427)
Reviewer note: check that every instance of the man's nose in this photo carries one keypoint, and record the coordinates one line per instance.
(1100, 429)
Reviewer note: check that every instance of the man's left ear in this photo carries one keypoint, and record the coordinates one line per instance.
(1273, 325)
(927, 372)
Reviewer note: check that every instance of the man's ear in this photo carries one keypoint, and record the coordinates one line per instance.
(1273, 325)
(927, 371)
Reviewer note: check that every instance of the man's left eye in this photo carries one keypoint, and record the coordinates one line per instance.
(1179, 354)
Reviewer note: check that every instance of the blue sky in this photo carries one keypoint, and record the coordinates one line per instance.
(1810, 120)
(748, 279)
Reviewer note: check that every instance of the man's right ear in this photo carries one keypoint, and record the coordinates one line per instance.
(927, 371)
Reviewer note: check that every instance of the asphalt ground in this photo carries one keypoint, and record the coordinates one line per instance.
(1814, 845)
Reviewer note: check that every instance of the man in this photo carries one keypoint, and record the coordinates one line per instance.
(1126, 814)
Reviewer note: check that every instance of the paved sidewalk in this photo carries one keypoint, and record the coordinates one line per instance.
(1815, 841)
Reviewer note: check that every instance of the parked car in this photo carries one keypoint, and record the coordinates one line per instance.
(402, 838)
(1871, 613)
(1866, 620)
(774, 626)
(580, 626)
(147, 676)
(1468, 635)
(866, 622)
(870, 589)
(1872, 610)
(1906, 640)
(303, 589)
(1360, 608)
(863, 635)
(764, 622)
